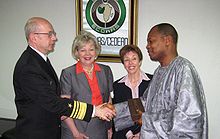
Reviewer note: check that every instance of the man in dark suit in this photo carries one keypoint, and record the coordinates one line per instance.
(37, 89)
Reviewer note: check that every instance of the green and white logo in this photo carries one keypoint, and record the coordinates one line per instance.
(105, 16)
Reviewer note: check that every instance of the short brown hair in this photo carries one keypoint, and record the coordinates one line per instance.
(127, 48)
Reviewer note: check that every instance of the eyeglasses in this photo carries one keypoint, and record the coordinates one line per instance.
(50, 34)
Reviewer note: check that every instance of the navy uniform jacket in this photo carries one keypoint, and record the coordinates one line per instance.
(37, 99)
(123, 93)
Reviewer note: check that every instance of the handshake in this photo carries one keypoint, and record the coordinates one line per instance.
(105, 111)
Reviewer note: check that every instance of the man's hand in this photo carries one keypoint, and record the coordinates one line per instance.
(105, 111)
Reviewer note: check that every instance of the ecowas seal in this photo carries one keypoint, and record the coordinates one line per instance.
(105, 16)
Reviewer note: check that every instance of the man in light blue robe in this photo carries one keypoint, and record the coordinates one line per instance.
(174, 102)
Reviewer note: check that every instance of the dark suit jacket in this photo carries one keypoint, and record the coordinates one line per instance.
(37, 98)
(123, 93)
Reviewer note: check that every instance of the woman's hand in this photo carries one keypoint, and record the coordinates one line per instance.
(80, 136)
(110, 133)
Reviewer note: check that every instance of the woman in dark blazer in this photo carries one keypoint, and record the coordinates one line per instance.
(130, 86)
(89, 82)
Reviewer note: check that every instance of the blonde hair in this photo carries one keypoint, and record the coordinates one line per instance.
(83, 38)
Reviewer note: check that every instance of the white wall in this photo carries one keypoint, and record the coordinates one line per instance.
(197, 22)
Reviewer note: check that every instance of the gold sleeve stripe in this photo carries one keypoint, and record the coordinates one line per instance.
(82, 111)
(78, 114)
(74, 109)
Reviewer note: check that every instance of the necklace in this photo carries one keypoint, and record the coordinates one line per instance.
(89, 71)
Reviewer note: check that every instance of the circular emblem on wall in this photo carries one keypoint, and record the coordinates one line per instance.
(105, 16)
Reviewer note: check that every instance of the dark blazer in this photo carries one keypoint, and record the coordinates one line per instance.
(123, 93)
(77, 86)
(37, 99)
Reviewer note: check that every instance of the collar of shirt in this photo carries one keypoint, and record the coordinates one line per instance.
(135, 90)
(143, 76)
(41, 54)
(79, 68)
